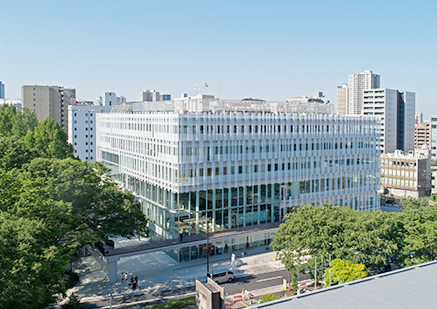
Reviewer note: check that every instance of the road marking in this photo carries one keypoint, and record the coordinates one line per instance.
(267, 279)
(244, 304)
(148, 300)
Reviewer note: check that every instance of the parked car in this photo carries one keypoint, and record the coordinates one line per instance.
(221, 276)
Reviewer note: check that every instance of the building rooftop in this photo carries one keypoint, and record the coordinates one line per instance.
(419, 153)
(204, 103)
(411, 287)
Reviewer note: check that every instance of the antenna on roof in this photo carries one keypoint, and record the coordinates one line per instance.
(219, 87)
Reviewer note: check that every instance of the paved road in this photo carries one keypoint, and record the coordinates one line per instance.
(249, 283)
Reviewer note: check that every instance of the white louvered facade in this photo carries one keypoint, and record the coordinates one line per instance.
(225, 170)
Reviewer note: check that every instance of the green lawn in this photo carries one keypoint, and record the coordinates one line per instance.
(173, 304)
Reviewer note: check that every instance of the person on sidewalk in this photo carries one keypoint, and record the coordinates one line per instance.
(134, 283)
(125, 277)
(181, 234)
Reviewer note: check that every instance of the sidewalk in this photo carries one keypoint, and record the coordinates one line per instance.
(159, 272)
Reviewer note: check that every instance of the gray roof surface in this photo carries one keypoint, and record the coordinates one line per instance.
(411, 287)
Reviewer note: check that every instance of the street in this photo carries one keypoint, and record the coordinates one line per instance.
(249, 283)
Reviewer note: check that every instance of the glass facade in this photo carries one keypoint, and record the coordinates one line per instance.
(220, 247)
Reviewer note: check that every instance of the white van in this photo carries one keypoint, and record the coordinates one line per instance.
(221, 276)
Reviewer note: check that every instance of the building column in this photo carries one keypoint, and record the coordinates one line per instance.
(112, 269)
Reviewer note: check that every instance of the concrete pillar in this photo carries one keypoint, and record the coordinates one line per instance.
(112, 270)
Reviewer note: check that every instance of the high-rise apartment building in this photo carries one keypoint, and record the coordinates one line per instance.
(395, 110)
(342, 100)
(2, 90)
(422, 136)
(203, 164)
(150, 96)
(356, 85)
(49, 101)
(433, 136)
(418, 117)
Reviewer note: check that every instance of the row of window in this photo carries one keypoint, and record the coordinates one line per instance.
(398, 172)
(237, 129)
(401, 182)
(386, 162)
(154, 150)
(185, 176)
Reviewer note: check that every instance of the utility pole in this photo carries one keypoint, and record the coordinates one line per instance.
(207, 247)
(315, 273)
(330, 269)
(323, 270)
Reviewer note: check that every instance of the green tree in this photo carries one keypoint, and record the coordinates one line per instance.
(49, 140)
(73, 303)
(373, 237)
(312, 231)
(30, 267)
(14, 153)
(414, 203)
(420, 235)
(342, 271)
(294, 283)
(77, 200)
(15, 123)
(361, 237)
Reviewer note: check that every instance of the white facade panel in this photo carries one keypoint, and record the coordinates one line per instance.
(239, 169)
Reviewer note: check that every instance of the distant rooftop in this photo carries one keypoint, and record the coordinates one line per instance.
(207, 103)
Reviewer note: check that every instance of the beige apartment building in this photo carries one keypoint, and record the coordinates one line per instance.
(422, 134)
(406, 175)
(342, 100)
(49, 101)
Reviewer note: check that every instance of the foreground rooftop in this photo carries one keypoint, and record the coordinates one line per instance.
(411, 287)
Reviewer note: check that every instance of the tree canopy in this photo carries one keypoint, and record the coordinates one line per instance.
(15, 123)
(342, 271)
(50, 205)
(370, 238)
(344, 233)
(49, 140)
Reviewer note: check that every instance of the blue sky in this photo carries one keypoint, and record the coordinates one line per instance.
(261, 49)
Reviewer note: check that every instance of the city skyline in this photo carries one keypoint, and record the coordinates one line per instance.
(260, 50)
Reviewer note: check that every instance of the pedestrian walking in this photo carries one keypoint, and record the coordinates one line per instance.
(125, 277)
(181, 234)
(134, 283)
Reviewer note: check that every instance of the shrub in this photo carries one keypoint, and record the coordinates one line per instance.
(268, 297)
(73, 302)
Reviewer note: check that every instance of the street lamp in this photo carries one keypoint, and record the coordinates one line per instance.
(207, 247)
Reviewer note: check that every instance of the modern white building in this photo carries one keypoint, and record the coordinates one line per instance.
(14, 102)
(82, 126)
(395, 110)
(201, 163)
(356, 85)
